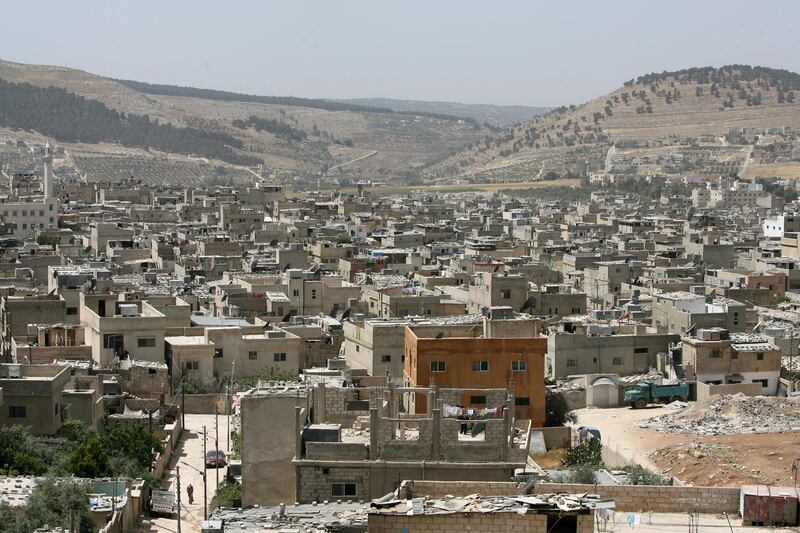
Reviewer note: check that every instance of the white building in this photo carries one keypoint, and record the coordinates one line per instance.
(32, 214)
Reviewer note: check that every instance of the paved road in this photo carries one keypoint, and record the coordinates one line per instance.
(190, 452)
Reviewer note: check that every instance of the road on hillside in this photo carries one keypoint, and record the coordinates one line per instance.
(188, 454)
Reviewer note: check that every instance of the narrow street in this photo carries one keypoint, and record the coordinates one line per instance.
(188, 455)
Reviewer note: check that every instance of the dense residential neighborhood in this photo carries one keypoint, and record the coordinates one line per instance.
(273, 348)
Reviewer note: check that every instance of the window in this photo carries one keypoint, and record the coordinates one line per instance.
(358, 348)
(480, 366)
(279, 357)
(715, 354)
(520, 365)
(640, 350)
(734, 355)
(438, 366)
(505, 294)
(477, 399)
(618, 361)
(760, 356)
(17, 411)
(56, 408)
(572, 362)
(72, 310)
(522, 400)
(764, 382)
(112, 341)
(252, 355)
(189, 366)
(313, 294)
(146, 342)
(41, 212)
(347, 490)
(218, 352)
(295, 292)
(386, 359)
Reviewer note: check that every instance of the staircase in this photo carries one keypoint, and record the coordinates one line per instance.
(680, 373)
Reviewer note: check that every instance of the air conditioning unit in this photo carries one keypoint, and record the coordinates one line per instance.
(128, 310)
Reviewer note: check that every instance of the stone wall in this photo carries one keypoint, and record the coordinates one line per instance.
(705, 391)
(659, 499)
(629, 498)
(556, 437)
(492, 448)
(330, 405)
(315, 483)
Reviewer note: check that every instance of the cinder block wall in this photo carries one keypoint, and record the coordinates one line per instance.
(659, 499)
(633, 498)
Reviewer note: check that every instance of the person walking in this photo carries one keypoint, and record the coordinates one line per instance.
(190, 493)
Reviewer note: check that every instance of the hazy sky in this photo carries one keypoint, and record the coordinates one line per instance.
(505, 52)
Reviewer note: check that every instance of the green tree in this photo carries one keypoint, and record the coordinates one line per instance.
(20, 454)
(229, 494)
(53, 501)
(589, 453)
(556, 410)
(90, 459)
(130, 444)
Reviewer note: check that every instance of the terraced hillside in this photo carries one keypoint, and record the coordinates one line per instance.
(332, 136)
(654, 109)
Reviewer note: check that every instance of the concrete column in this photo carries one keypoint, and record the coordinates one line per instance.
(298, 431)
(435, 430)
(509, 440)
(320, 414)
(373, 433)
(430, 403)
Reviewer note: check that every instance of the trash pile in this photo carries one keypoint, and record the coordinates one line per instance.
(729, 415)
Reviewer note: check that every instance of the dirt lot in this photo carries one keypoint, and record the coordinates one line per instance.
(725, 460)
(788, 170)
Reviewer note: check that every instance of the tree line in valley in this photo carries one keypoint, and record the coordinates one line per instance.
(68, 117)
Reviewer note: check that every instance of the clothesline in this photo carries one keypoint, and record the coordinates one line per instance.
(454, 411)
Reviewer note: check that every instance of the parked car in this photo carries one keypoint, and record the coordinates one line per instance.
(215, 459)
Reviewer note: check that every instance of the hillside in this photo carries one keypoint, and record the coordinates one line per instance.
(500, 116)
(648, 113)
(289, 135)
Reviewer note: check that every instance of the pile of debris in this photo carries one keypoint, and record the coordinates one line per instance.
(684, 460)
(728, 415)
(477, 503)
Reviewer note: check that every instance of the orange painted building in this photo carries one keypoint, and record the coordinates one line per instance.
(462, 357)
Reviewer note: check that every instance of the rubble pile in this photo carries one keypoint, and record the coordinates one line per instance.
(727, 415)
(682, 457)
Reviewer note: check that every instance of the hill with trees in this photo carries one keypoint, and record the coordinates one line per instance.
(292, 136)
(67, 117)
(651, 110)
(497, 116)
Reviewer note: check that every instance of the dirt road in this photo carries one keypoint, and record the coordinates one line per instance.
(189, 456)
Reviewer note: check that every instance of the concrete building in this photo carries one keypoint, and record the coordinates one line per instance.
(463, 356)
(267, 420)
(32, 396)
(601, 349)
(683, 312)
(717, 357)
(333, 462)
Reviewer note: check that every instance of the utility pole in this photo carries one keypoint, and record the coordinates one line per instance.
(216, 443)
(205, 484)
(178, 493)
(230, 397)
(183, 399)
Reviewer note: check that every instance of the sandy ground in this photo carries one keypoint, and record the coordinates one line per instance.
(728, 460)
(679, 523)
(188, 454)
